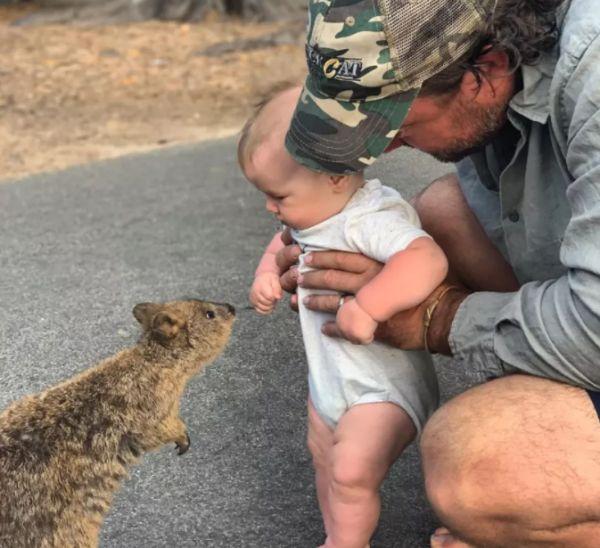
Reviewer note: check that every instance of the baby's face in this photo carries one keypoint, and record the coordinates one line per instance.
(297, 196)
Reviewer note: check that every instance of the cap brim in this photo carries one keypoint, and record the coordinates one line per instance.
(337, 136)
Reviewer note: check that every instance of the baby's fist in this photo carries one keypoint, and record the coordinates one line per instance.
(265, 292)
(355, 324)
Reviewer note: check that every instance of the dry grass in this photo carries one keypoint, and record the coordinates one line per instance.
(70, 95)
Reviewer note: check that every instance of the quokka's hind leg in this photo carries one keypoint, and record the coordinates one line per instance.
(173, 429)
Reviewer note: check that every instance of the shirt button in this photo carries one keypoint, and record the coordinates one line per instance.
(513, 216)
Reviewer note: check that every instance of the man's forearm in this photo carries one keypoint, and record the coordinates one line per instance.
(438, 333)
(406, 329)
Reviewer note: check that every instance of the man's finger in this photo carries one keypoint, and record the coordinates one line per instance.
(340, 260)
(286, 236)
(288, 280)
(331, 330)
(323, 303)
(294, 302)
(338, 280)
(287, 256)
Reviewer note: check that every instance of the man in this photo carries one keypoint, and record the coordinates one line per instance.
(510, 90)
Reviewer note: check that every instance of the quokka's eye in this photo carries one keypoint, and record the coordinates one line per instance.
(210, 314)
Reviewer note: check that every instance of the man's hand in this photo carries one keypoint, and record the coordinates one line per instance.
(286, 260)
(340, 271)
(348, 273)
(355, 324)
(406, 328)
(265, 292)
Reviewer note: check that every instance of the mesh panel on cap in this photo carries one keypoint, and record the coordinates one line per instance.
(427, 36)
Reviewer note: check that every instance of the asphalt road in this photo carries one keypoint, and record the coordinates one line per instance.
(79, 248)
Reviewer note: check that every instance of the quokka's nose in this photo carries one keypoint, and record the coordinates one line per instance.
(230, 308)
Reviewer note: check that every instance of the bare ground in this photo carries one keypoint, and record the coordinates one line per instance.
(73, 94)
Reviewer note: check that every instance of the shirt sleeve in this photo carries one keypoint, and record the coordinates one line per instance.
(551, 328)
(381, 234)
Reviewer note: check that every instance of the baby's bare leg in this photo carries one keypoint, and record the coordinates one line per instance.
(367, 441)
(474, 260)
(320, 443)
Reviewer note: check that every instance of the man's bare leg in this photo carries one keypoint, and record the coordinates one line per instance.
(474, 260)
(516, 462)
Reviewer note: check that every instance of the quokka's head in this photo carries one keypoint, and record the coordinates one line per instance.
(189, 328)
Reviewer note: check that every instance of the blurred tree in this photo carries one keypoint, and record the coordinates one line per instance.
(111, 11)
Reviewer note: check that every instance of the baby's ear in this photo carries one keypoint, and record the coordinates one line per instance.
(339, 182)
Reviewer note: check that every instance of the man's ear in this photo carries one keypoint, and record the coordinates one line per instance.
(166, 325)
(493, 65)
(144, 312)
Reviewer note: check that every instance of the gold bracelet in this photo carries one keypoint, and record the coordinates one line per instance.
(429, 314)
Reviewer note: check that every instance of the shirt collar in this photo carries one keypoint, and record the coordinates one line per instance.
(533, 100)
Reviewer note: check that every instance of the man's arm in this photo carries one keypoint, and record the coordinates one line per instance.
(551, 328)
(406, 329)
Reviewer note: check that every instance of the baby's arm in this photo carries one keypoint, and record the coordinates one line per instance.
(405, 281)
(266, 289)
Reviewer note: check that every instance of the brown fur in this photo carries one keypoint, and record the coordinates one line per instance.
(64, 452)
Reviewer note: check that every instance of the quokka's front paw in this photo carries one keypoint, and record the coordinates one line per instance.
(184, 445)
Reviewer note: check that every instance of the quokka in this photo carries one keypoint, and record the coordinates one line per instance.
(65, 451)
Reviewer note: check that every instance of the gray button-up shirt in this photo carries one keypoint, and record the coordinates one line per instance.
(542, 209)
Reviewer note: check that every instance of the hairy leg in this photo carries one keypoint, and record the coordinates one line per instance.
(516, 462)
(367, 441)
(474, 260)
(320, 444)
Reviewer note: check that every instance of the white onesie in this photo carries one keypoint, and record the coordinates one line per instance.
(376, 222)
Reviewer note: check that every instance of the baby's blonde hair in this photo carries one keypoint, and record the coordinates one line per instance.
(249, 139)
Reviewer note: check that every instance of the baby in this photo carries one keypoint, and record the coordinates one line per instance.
(367, 401)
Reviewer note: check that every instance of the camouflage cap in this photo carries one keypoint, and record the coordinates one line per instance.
(367, 60)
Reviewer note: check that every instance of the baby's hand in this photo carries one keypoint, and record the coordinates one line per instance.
(265, 292)
(355, 324)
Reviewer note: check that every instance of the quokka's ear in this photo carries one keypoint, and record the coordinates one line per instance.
(144, 312)
(166, 325)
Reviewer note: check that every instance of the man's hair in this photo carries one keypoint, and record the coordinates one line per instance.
(248, 141)
(523, 29)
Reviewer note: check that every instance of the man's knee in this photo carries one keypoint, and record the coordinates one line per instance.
(478, 440)
(451, 484)
(501, 458)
